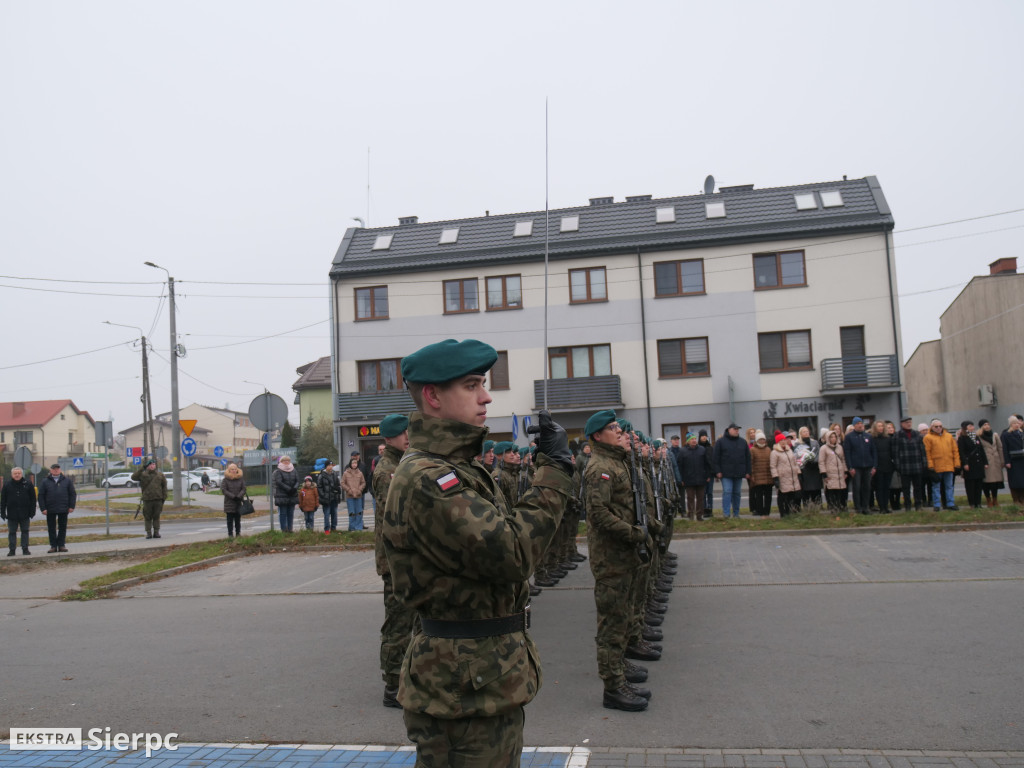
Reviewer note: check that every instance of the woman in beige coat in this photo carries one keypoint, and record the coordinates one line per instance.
(832, 463)
(993, 446)
(353, 482)
(786, 474)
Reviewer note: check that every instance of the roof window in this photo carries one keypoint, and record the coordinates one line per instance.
(523, 228)
(714, 210)
(665, 215)
(571, 223)
(383, 242)
(449, 236)
(833, 198)
(805, 202)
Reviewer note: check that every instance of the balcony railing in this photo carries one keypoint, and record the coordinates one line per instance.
(588, 392)
(373, 406)
(863, 372)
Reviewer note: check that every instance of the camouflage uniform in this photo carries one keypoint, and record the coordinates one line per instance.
(459, 553)
(508, 481)
(397, 628)
(154, 494)
(614, 560)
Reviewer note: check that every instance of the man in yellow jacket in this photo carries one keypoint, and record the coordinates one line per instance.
(943, 462)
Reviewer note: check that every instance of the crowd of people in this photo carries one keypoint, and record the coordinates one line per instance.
(869, 468)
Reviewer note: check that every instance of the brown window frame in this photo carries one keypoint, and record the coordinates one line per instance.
(568, 362)
(682, 356)
(499, 368)
(462, 295)
(778, 270)
(400, 383)
(590, 299)
(373, 313)
(786, 367)
(679, 278)
(504, 293)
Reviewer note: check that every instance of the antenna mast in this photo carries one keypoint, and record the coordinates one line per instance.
(547, 357)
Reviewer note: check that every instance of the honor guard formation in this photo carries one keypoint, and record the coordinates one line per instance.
(464, 525)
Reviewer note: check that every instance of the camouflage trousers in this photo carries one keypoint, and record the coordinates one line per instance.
(395, 634)
(614, 621)
(471, 742)
(151, 514)
(638, 601)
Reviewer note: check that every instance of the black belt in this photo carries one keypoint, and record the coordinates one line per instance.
(505, 625)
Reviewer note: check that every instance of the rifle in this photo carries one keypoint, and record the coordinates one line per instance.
(639, 499)
(657, 488)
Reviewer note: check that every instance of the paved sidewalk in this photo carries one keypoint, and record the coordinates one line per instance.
(365, 756)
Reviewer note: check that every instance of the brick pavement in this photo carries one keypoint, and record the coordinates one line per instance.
(370, 756)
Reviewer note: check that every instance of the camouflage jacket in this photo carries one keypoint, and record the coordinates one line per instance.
(508, 482)
(610, 512)
(153, 484)
(381, 482)
(458, 551)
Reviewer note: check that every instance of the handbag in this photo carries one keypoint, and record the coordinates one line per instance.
(245, 506)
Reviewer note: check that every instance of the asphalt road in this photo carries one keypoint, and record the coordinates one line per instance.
(895, 641)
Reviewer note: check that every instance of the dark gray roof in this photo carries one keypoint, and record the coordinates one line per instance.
(751, 215)
(315, 375)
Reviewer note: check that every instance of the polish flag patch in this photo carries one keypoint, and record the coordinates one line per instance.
(448, 481)
(605, 476)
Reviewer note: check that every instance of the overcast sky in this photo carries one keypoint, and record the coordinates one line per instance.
(228, 142)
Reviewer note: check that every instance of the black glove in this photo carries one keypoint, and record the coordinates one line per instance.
(552, 441)
(775, 482)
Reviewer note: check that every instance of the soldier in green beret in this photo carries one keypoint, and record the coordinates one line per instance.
(613, 537)
(488, 457)
(460, 556)
(508, 476)
(397, 628)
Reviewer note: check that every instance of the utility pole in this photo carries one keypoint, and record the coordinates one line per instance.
(175, 448)
(148, 448)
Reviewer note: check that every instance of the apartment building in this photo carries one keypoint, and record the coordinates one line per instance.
(773, 308)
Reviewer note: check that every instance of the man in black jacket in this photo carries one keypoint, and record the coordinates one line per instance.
(693, 466)
(17, 507)
(730, 458)
(57, 499)
(861, 461)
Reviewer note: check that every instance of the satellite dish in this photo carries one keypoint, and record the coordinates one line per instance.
(709, 184)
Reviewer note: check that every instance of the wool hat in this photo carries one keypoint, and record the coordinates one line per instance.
(690, 436)
(963, 424)
(599, 421)
(702, 433)
(759, 435)
(857, 420)
(394, 424)
(982, 423)
(780, 437)
(447, 360)
(307, 477)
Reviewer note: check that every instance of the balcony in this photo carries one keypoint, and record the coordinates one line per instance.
(866, 373)
(580, 394)
(365, 407)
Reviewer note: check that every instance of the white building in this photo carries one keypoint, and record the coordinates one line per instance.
(771, 308)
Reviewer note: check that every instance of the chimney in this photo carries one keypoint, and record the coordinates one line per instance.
(637, 198)
(602, 200)
(736, 188)
(405, 221)
(17, 409)
(1004, 266)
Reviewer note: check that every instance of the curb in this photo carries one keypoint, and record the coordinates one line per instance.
(875, 529)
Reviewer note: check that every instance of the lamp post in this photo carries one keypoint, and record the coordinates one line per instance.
(175, 427)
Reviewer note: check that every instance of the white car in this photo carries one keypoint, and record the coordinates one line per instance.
(193, 482)
(120, 480)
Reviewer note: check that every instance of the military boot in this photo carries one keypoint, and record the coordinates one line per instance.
(534, 590)
(640, 653)
(578, 558)
(656, 608)
(653, 634)
(12, 553)
(634, 672)
(391, 698)
(643, 693)
(653, 620)
(623, 698)
(659, 598)
(544, 583)
(568, 566)
(24, 551)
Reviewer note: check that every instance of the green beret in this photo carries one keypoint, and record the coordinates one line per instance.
(509, 446)
(626, 424)
(598, 421)
(447, 360)
(524, 451)
(488, 444)
(658, 442)
(394, 424)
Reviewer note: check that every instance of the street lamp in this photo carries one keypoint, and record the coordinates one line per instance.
(175, 427)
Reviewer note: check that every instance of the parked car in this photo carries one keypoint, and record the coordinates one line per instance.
(215, 475)
(120, 480)
(192, 481)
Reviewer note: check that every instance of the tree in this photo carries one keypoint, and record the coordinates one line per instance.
(287, 435)
(316, 441)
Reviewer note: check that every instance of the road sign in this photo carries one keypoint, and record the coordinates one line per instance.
(515, 427)
(22, 456)
(268, 412)
(527, 421)
(188, 446)
(218, 451)
(78, 463)
(95, 455)
(187, 425)
(265, 442)
(137, 451)
(223, 462)
(136, 460)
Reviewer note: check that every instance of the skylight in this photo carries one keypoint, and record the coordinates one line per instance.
(383, 242)
(523, 229)
(665, 215)
(571, 223)
(714, 210)
(449, 236)
(832, 198)
(805, 202)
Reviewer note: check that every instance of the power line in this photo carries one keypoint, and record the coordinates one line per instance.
(65, 357)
